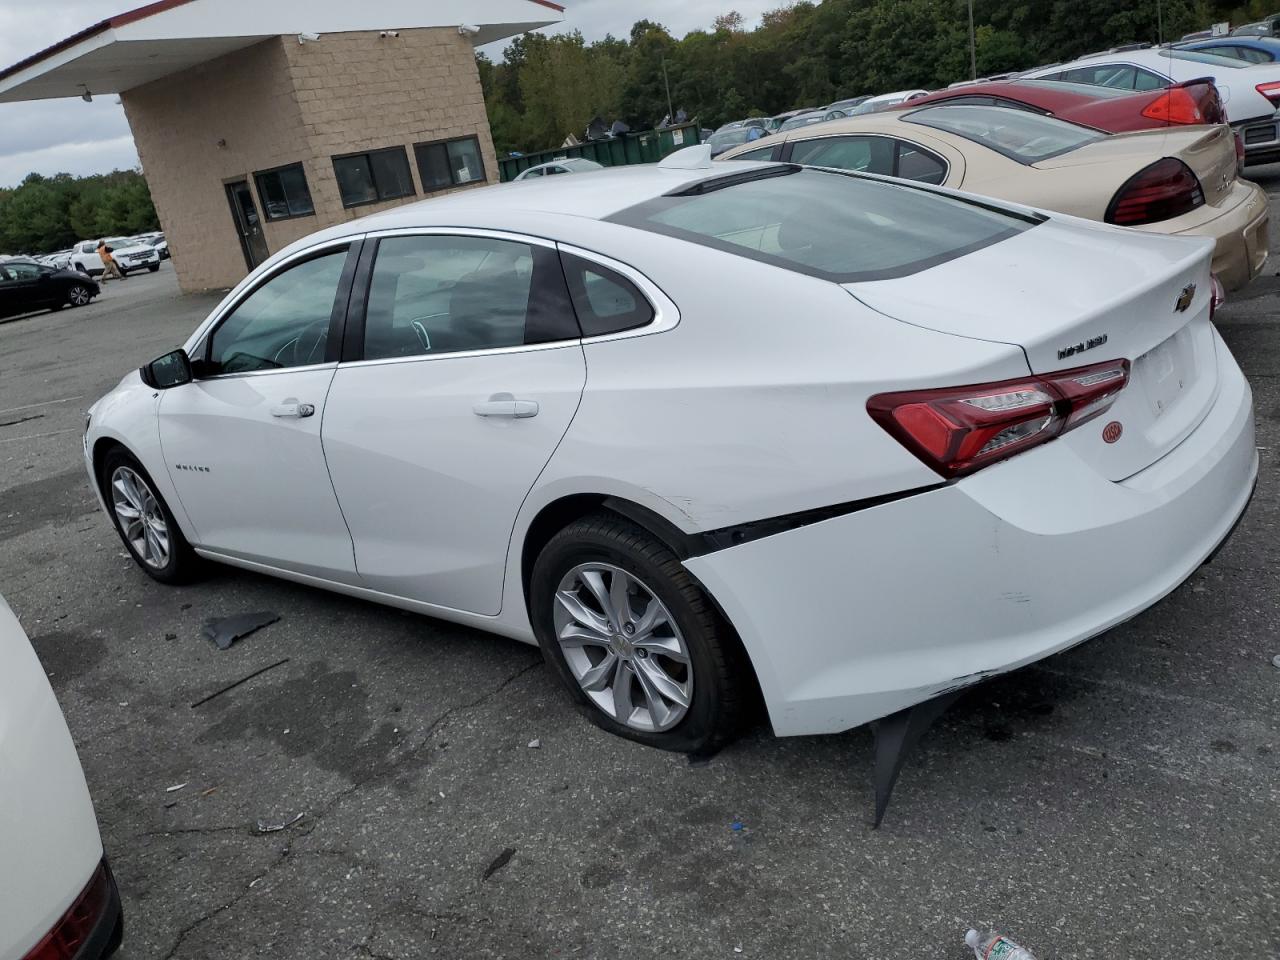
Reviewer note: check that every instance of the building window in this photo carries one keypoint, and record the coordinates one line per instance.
(370, 177)
(449, 163)
(284, 192)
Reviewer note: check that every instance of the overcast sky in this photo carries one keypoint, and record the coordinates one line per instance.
(54, 136)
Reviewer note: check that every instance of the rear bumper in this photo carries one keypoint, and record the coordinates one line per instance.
(853, 618)
(1240, 234)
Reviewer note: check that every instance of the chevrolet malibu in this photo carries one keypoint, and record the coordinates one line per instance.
(708, 434)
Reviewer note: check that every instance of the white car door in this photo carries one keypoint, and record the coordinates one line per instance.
(469, 371)
(242, 441)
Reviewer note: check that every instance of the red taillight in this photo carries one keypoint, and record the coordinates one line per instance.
(69, 936)
(1217, 296)
(957, 430)
(1163, 190)
(1271, 91)
(1175, 105)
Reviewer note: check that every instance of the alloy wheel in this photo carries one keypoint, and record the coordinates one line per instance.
(623, 647)
(79, 295)
(141, 517)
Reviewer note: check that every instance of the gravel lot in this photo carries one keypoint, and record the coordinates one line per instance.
(1119, 800)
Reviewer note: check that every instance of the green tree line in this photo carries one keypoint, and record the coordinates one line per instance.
(44, 214)
(805, 54)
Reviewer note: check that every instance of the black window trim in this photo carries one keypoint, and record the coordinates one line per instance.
(203, 345)
(898, 140)
(262, 199)
(367, 154)
(666, 316)
(484, 174)
(636, 216)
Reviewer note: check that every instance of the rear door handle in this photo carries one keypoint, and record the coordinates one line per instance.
(505, 405)
(293, 409)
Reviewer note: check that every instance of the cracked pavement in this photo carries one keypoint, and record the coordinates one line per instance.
(1117, 800)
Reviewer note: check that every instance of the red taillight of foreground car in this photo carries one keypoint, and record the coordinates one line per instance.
(1175, 105)
(957, 430)
(70, 934)
(1165, 189)
(1271, 91)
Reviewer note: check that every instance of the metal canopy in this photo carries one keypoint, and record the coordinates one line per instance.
(170, 36)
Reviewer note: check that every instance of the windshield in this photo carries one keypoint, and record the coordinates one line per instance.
(1025, 137)
(729, 137)
(801, 121)
(827, 224)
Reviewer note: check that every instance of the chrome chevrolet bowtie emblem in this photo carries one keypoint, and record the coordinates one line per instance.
(1185, 297)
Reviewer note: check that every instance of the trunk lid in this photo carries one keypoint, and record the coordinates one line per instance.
(1072, 294)
(1210, 152)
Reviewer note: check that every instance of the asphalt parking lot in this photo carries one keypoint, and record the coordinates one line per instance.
(1119, 800)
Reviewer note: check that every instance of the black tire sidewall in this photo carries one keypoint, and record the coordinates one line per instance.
(702, 721)
(72, 290)
(176, 570)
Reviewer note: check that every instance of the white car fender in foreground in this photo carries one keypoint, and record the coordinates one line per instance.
(49, 842)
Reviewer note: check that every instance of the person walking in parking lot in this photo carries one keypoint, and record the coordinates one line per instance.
(109, 266)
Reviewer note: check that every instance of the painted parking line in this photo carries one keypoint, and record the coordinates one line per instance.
(37, 436)
(43, 403)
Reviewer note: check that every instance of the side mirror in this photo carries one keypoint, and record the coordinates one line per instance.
(171, 370)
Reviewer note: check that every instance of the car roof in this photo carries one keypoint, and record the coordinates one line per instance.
(594, 198)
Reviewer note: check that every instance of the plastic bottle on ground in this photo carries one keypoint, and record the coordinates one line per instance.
(993, 946)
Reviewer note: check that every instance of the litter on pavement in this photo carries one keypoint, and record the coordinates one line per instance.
(264, 827)
(993, 946)
(224, 631)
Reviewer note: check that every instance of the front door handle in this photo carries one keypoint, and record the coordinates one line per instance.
(293, 409)
(505, 405)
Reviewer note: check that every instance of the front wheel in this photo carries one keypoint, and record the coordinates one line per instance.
(144, 521)
(79, 295)
(154, 267)
(635, 640)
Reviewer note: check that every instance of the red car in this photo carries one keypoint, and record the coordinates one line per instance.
(1104, 108)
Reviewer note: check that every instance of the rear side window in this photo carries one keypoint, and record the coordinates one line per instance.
(605, 301)
(1025, 137)
(883, 155)
(826, 224)
(432, 295)
(764, 153)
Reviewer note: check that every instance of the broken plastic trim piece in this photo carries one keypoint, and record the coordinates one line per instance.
(896, 736)
(224, 631)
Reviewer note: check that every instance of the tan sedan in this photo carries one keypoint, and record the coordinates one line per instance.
(1177, 180)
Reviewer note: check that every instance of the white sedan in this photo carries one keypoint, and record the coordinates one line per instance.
(58, 898)
(706, 434)
(563, 165)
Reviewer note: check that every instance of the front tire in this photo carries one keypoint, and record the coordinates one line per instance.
(144, 521)
(79, 295)
(635, 640)
(154, 267)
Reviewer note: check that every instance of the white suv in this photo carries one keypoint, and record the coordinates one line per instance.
(130, 255)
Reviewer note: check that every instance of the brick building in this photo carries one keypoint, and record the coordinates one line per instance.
(324, 113)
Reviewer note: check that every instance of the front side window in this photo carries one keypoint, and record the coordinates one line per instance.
(370, 177)
(830, 225)
(284, 192)
(433, 295)
(449, 163)
(23, 271)
(284, 322)
(1119, 75)
(605, 301)
(1025, 137)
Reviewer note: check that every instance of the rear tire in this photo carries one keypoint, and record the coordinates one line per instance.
(684, 685)
(144, 521)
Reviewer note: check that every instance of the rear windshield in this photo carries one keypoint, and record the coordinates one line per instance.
(1092, 90)
(1025, 137)
(827, 224)
(1211, 58)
